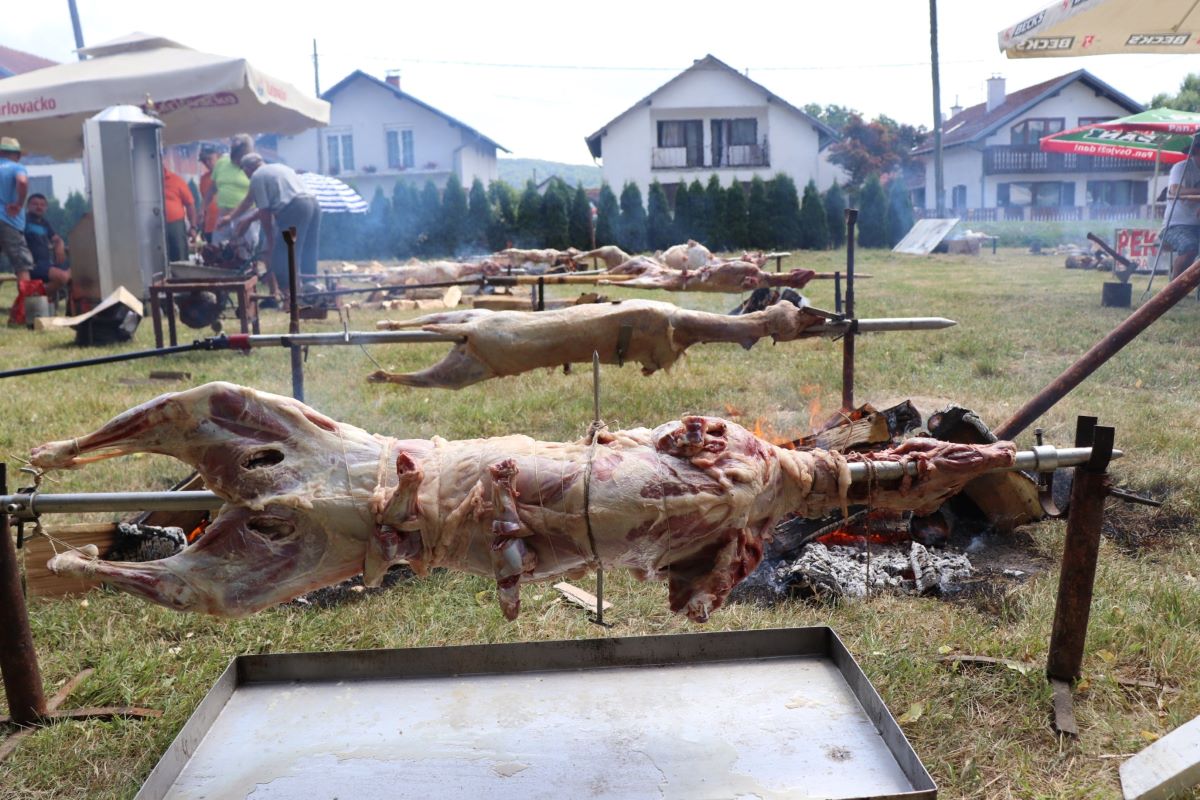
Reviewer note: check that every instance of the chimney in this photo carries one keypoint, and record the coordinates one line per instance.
(393, 78)
(995, 92)
(955, 109)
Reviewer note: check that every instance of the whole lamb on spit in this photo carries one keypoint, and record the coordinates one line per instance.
(310, 501)
(731, 276)
(499, 343)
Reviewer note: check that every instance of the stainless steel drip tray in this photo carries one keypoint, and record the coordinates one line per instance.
(749, 714)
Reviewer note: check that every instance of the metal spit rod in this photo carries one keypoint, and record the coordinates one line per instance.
(1045, 458)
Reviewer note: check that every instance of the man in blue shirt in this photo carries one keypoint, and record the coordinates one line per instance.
(46, 246)
(14, 185)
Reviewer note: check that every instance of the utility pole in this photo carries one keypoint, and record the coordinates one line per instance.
(938, 178)
(317, 89)
(78, 30)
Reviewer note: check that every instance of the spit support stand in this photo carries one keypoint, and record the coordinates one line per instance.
(289, 238)
(28, 707)
(598, 618)
(848, 310)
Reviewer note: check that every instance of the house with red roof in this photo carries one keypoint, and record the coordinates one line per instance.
(994, 169)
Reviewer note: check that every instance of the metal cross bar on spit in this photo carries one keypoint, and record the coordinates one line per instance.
(1044, 458)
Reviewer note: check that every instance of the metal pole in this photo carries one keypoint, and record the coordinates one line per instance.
(837, 292)
(25, 506)
(1101, 352)
(289, 238)
(1077, 579)
(541, 293)
(76, 27)
(595, 432)
(939, 182)
(848, 340)
(18, 658)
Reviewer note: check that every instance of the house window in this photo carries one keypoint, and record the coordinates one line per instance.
(400, 148)
(958, 196)
(685, 134)
(1083, 121)
(339, 145)
(1041, 194)
(1116, 193)
(1030, 132)
(734, 142)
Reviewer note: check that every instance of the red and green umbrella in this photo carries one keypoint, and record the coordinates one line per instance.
(1161, 134)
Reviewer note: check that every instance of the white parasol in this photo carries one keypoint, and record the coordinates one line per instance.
(334, 196)
(1100, 27)
(197, 96)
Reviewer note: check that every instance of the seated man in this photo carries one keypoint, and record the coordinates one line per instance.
(46, 247)
(1182, 232)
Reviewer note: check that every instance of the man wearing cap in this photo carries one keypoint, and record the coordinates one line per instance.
(14, 186)
(283, 202)
(1182, 232)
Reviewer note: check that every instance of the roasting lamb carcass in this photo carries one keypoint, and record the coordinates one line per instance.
(550, 257)
(310, 501)
(692, 255)
(499, 343)
(731, 277)
(610, 254)
(439, 272)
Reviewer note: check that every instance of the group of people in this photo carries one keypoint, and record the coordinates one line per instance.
(233, 183)
(33, 247)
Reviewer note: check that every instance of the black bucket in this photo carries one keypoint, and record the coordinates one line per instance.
(1116, 295)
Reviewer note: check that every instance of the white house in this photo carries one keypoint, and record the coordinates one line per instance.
(378, 134)
(712, 119)
(994, 169)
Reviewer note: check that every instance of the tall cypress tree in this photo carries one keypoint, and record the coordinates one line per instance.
(684, 219)
(734, 209)
(835, 214)
(714, 203)
(376, 242)
(529, 216)
(658, 218)
(556, 204)
(579, 227)
(814, 226)
(504, 224)
(699, 212)
(428, 236)
(406, 205)
(758, 224)
(608, 217)
(480, 214)
(899, 210)
(633, 219)
(454, 215)
(872, 214)
(785, 212)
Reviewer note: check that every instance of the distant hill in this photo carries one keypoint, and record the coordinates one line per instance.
(515, 171)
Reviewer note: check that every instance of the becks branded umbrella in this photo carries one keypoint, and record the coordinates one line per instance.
(197, 95)
(1102, 27)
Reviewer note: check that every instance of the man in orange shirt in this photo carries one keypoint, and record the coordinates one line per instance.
(179, 209)
(209, 153)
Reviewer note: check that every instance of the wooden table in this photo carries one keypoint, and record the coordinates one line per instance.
(163, 292)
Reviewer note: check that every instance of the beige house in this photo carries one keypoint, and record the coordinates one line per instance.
(379, 134)
(711, 119)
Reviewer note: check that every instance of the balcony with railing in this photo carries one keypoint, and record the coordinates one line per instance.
(733, 156)
(1049, 213)
(1008, 160)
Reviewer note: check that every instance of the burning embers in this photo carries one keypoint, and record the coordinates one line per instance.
(878, 549)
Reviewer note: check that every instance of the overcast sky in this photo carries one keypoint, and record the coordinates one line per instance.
(538, 77)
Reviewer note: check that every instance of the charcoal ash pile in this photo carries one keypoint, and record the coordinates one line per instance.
(847, 571)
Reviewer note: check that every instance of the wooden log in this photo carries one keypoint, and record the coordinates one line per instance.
(40, 581)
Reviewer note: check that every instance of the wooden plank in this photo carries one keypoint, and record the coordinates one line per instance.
(40, 581)
(503, 302)
(1170, 765)
(581, 598)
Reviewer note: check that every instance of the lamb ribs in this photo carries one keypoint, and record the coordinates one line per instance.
(310, 501)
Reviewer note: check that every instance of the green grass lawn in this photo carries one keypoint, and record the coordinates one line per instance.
(981, 732)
